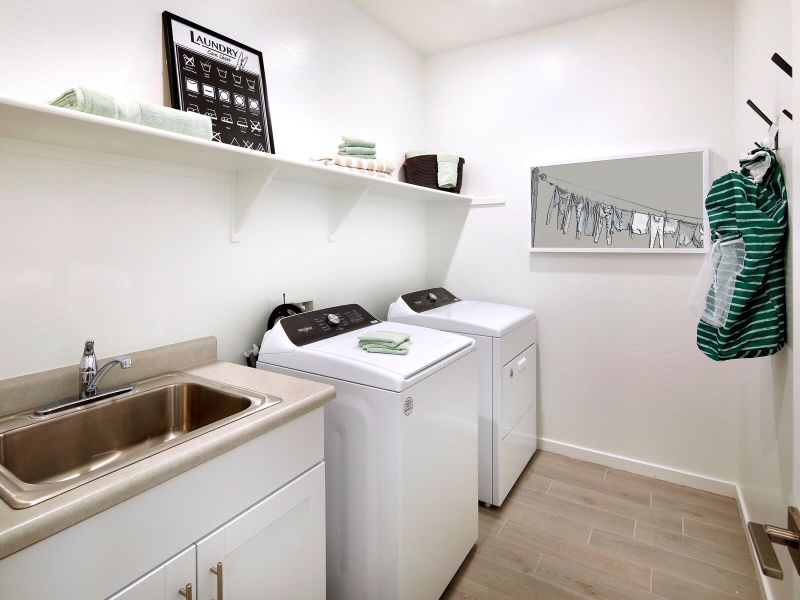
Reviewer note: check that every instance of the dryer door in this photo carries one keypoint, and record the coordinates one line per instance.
(519, 388)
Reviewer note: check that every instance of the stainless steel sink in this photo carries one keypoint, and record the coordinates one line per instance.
(44, 456)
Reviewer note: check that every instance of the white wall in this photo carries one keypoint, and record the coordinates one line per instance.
(767, 430)
(137, 255)
(619, 369)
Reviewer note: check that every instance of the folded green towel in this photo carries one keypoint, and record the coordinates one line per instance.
(149, 115)
(383, 349)
(389, 338)
(357, 151)
(349, 140)
(447, 170)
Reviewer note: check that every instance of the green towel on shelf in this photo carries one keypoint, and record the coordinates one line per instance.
(349, 140)
(149, 115)
(384, 342)
(447, 170)
(357, 151)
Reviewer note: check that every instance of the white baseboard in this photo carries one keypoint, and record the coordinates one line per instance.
(640, 467)
(763, 580)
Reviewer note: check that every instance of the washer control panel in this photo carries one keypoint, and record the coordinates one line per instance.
(427, 299)
(316, 325)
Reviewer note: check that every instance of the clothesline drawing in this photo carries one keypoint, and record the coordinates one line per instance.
(546, 178)
(593, 218)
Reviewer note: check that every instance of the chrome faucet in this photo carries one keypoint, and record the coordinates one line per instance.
(90, 377)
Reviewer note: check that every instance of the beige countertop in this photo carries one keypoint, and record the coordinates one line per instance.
(20, 528)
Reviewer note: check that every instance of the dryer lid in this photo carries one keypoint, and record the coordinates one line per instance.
(472, 317)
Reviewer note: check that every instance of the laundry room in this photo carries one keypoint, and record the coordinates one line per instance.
(375, 300)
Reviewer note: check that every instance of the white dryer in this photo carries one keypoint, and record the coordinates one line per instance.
(401, 450)
(506, 348)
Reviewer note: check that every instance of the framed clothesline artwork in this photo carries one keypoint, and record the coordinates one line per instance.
(647, 203)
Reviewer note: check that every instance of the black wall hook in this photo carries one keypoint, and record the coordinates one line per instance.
(785, 66)
(759, 112)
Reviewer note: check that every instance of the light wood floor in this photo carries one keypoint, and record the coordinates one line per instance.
(572, 530)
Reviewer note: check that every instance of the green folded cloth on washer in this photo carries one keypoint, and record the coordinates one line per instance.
(383, 349)
(357, 151)
(349, 140)
(142, 113)
(447, 170)
(385, 342)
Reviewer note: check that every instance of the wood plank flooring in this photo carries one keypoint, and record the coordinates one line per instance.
(572, 530)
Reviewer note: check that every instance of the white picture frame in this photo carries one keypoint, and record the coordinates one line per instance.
(538, 200)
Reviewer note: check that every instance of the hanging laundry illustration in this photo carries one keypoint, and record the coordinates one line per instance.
(241, 62)
(656, 231)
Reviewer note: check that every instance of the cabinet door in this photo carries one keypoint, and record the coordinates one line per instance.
(166, 581)
(276, 549)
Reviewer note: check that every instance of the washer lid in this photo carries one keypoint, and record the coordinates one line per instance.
(472, 317)
(339, 356)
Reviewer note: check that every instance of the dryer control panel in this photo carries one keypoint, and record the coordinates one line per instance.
(427, 299)
(317, 325)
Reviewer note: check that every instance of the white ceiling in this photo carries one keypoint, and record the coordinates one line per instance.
(433, 26)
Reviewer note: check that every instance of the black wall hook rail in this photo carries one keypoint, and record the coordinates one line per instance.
(759, 112)
(781, 62)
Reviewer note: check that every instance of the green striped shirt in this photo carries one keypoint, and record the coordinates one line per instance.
(736, 205)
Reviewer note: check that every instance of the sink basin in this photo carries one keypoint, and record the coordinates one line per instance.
(41, 457)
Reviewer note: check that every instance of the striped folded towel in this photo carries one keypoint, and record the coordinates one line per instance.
(339, 162)
(371, 164)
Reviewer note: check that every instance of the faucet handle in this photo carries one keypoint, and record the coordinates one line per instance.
(125, 362)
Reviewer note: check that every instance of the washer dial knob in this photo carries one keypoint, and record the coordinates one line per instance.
(432, 297)
(333, 320)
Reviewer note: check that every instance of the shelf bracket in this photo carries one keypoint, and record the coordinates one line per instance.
(343, 199)
(248, 187)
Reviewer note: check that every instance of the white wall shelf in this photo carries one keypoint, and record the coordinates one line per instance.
(253, 171)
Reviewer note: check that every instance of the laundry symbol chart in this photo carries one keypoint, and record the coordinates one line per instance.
(255, 127)
(223, 73)
(212, 113)
(242, 123)
(254, 105)
(238, 101)
(216, 137)
(208, 90)
(248, 145)
(206, 67)
(241, 62)
(251, 84)
(224, 95)
(193, 108)
(192, 86)
(188, 61)
(226, 118)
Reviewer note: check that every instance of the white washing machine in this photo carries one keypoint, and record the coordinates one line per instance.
(401, 450)
(506, 348)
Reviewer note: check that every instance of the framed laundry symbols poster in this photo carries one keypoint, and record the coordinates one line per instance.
(649, 203)
(216, 76)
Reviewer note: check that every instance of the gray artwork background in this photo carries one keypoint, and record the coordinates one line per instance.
(666, 182)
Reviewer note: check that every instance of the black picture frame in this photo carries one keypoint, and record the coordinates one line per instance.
(239, 116)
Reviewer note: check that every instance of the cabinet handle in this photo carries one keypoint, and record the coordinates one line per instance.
(186, 591)
(218, 572)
